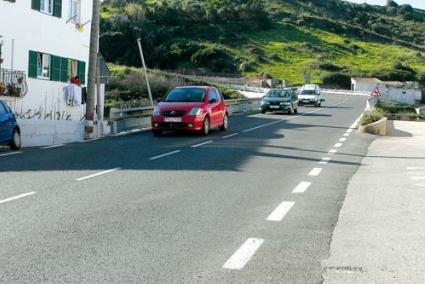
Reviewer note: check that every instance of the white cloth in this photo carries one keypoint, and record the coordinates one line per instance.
(77, 95)
(73, 95)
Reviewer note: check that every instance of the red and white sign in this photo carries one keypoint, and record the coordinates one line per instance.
(376, 92)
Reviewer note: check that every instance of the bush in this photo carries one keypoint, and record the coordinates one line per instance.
(214, 58)
(337, 80)
(371, 116)
(329, 67)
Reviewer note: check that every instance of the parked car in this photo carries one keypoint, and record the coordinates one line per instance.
(198, 109)
(10, 134)
(310, 95)
(280, 100)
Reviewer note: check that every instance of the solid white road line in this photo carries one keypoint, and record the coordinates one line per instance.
(164, 155)
(230, 135)
(315, 172)
(98, 174)
(342, 139)
(202, 144)
(280, 212)
(324, 161)
(10, 154)
(415, 168)
(53, 146)
(243, 255)
(418, 178)
(302, 187)
(338, 145)
(333, 151)
(89, 140)
(16, 197)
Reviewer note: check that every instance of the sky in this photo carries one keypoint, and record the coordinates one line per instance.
(415, 3)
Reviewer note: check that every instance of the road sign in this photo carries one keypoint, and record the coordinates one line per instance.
(376, 92)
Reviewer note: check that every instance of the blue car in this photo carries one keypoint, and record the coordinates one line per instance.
(10, 134)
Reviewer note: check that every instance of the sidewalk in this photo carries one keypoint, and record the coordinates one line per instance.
(380, 235)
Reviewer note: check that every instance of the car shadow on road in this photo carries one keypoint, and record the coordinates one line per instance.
(134, 152)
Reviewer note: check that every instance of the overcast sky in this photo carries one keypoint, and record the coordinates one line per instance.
(415, 3)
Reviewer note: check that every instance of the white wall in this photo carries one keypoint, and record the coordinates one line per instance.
(37, 132)
(33, 30)
(405, 96)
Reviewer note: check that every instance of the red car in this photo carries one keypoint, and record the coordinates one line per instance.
(192, 109)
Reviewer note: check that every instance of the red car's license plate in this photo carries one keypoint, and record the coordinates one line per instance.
(172, 119)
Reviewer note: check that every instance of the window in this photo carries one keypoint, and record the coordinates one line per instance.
(74, 13)
(50, 7)
(212, 96)
(72, 68)
(46, 6)
(43, 66)
(186, 95)
(55, 68)
(2, 109)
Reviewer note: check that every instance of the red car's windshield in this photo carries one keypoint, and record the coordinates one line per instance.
(186, 95)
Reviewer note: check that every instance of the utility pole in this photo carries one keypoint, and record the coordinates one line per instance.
(139, 43)
(91, 82)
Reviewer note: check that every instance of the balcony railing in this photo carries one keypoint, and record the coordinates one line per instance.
(13, 83)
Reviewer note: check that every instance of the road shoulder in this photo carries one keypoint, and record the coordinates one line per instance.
(381, 228)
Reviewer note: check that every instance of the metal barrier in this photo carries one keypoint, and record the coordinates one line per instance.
(126, 119)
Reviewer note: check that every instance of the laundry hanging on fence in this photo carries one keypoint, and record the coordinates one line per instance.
(73, 95)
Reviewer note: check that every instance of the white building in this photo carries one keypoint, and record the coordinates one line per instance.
(44, 43)
(401, 92)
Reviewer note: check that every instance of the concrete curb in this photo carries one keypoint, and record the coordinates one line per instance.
(377, 128)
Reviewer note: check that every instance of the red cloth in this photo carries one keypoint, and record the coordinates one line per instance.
(75, 81)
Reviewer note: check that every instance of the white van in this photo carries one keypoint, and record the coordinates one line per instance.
(310, 95)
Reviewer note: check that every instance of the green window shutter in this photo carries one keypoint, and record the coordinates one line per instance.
(82, 72)
(64, 70)
(57, 8)
(55, 68)
(36, 5)
(32, 66)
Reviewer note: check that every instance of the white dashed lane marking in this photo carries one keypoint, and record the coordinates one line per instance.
(333, 151)
(280, 212)
(315, 172)
(338, 145)
(164, 155)
(229, 136)
(97, 174)
(53, 146)
(17, 197)
(342, 139)
(244, 254)
(324, 161)
(302, 187)
(202, 144)
(10, 154)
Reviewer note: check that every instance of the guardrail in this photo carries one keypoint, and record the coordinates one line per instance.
(126, 119)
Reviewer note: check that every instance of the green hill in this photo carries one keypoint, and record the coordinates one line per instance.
(330, 39)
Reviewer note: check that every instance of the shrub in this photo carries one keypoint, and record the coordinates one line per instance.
(329, 67)
(337, 79)
(371, 116)
(214, 58)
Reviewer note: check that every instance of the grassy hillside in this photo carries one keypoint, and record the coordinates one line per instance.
(285, 38)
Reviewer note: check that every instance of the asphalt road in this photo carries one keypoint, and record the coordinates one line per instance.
(255, 204)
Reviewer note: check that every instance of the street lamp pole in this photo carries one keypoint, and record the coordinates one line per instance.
(139, 43)
(91, 80)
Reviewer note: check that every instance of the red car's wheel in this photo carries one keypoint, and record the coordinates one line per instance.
(225, 125)
(206, 126)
